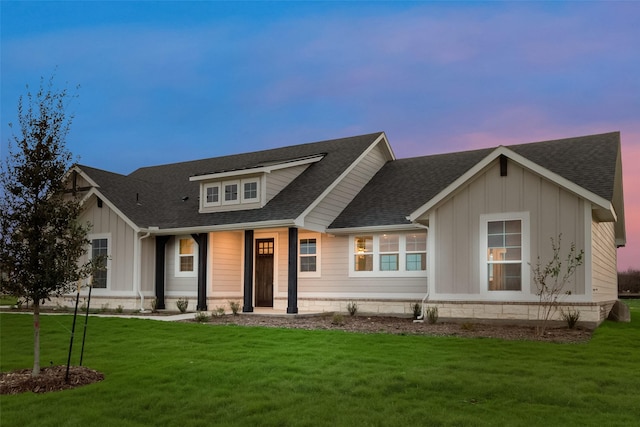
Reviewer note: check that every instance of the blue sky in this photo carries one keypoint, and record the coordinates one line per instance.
(169, 81)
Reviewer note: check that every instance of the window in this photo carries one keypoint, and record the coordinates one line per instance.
(100, 248)
(504, 255)
(186, 259)
(309, 255)
(364, 253)
(416, 252)
(389, 248)
(250, 191)
(213, 195)
(231, 193)
(504, 252)
(398, 254)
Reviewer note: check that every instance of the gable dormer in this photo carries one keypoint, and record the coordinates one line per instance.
(251, 187)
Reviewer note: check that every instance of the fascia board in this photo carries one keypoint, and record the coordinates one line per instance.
(375, 229)
(82, 173)
(258, 170)
(526, 163)
(111, 206)
(225, 227)
(334, 184)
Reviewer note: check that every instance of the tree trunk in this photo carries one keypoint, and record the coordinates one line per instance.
(36, 339)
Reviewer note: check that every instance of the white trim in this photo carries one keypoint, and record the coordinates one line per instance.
(259, 169)
(97, 193)
(376, 229)
(318, 255)
(95, 236)
(223, 196)
(82, 173)
(525, 288)
(600, 202)
(588, 252)
(223, 227)
(204, 187)
(177, 256)
(299, 221)
(402, 253)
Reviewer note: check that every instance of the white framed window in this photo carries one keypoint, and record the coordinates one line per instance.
(309, 255)
(101, 246)
(389, 254)
(504, 253)
(186, 256)
(212, 196)
(250, 190)
(231, 195)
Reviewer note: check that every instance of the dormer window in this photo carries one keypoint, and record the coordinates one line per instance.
(230, 193)
(250, 190)
(213, 194)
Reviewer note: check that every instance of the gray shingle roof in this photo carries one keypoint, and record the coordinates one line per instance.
(153, 196)
(404, 185)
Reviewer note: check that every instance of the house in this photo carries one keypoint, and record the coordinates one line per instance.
(314, 226)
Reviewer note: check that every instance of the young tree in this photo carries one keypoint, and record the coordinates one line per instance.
(41, 239)
(551, 278)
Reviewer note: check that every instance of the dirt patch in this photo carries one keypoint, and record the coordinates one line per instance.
(50, 379)
(405, 326)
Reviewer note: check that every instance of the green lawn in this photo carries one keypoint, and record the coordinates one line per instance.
(175, 374)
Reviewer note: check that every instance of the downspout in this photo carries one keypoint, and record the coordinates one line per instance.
(137, 274)
(420, 319)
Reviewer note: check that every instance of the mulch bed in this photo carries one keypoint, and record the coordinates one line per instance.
(51, 378)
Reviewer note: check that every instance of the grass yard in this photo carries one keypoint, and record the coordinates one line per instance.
(187, 374)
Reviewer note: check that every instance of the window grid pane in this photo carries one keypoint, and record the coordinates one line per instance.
(99, 248)
(504, 255)
(212, 195)
(389, 262)
(251, 190)
(231, 192)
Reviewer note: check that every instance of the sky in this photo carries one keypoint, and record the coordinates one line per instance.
(162, 82)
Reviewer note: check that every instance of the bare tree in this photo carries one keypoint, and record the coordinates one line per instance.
(41, 239)
(551, 278)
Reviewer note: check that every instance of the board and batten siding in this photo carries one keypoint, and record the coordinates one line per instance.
(227, 262)
(336, 283)
(604, 261)
(456, 225)
(148, 266)
(106, 222)
(177, 286)
(279, 179)
(330, 207)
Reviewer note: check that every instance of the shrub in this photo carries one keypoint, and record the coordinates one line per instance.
(352, 308)
(104, 307)
(629, 281)
(218, 312)
(235, 307)
(154, 304)
(202, 317)
(467, 326)
(337, 319)
(571, 317)
(182, 304)
(432, 315)
(119, 309)
(417, 310)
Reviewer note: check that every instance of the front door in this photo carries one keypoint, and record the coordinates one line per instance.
(264, 273)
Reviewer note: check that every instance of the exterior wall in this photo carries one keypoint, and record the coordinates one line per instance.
(226, 264)
(280, 178)
(177, 286)
(148, 266)
(335, 281)
(455, 226)
(604, 261)
(335, 202)
(121, 240)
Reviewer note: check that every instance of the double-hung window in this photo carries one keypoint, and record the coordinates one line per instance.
(186, 259)
(416, 251)
(389, 252)
(504, 251)
(309, 255)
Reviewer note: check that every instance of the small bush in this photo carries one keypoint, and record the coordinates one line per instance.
(119, 309)
(182, 304)
(235, 307)
(218, 312)
(432, 315)
(417, 310)
(352, 308)
(104, 307)
(202, 317)
(571, 317)
(337, 319)
(154, 305)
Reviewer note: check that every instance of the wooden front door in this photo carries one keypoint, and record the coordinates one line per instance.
(264, 273)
